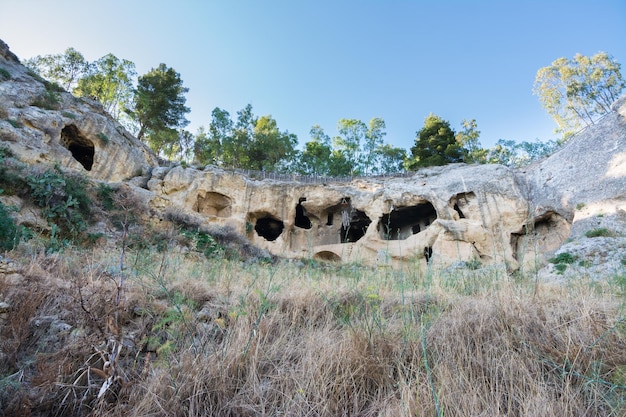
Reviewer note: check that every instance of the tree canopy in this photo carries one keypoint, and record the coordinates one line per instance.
(436, 144)
(64, 69)
(577, 92)
(159, 106)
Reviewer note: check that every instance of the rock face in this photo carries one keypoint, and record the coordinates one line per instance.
(41, 125)
(438, 216)
(588, 173)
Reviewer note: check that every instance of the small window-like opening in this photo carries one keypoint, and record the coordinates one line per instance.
(458, 210)
(463, 204)
(329, 220)
(269, 228)
(302, 221)
(81, 148)
(428, 253)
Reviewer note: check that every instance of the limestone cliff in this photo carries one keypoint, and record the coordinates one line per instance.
(42, 125)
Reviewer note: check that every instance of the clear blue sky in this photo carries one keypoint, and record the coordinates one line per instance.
(315, 62)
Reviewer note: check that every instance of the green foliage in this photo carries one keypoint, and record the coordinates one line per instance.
(468, 139)
(68, 114)
(517, 154)
(435, 144)
(9, 232)
(563, 258)
(251, 143)
(159, 105)
(600, 232)
(577, 92)
(580, 206)
(50, 99)
(4, 74)
(110, 81)
(63, 200)
(105, 194)
(11, 178)
(64, 69)
(205, 243)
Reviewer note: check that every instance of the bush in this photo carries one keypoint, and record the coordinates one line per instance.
(600, 232)
(563, 258)
(9, 231)
(63, 200)
(4, 74)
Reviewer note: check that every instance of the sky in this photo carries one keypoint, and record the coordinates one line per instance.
(311, 63)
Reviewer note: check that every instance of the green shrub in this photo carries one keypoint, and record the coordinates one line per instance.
(63, 200)
(600, 232)
(563, 258)
(69, 115)
(4, 74)
(9, 231)
(580, 206)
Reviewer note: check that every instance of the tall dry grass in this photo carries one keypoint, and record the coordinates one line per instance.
(215, 337)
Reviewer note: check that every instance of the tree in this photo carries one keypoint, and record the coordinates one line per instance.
(513, 154)
(391, 159)
(271, 149)
(371, 155)
(468, 139)
(351, 133)
(110, 81)
(64, 69)
(579, 91)
(236, 147)
(208, 147)
(160, 102)
(435, 144)
(315, 158)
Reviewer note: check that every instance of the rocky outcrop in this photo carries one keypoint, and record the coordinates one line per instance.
(42, 125)
(436, 217)
(588, 173)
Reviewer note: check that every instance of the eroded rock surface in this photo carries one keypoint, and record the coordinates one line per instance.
(41, 125)
(438, 216)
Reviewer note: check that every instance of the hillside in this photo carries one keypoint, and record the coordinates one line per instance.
(130, 287)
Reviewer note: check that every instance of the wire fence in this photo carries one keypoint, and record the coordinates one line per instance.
(311, 179)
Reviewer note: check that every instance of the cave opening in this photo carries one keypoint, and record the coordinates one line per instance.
(461, 203)
(302, 220)
(402, 222)
(269, 228)
(354, 229)
(81, 148)
(428, 253)
(213, 204)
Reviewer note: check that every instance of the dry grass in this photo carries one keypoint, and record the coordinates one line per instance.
(201, 337)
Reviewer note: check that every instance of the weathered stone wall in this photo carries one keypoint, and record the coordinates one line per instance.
(438, 217)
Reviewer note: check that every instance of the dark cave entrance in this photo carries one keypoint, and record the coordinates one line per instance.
(355, 228)
(269, 228)
(82, 149)
(302, 221)
(403, 222)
